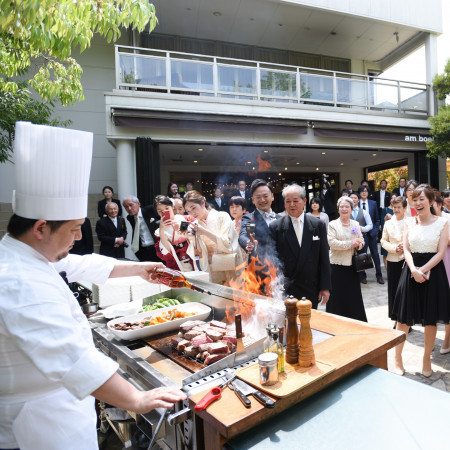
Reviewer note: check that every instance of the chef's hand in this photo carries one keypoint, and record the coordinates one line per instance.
(135, 269)
(147, 269)
(324, 294)
(163, 397)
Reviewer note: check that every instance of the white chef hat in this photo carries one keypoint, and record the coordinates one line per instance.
(52, 172)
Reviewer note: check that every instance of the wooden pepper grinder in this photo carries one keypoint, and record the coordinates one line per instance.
(306, 356)
(291, 330)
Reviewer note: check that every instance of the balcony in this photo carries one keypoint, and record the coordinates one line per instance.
(149, 70)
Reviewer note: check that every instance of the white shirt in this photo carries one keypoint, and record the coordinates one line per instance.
(382, 194)
(242, 194)
(218, 201)
(48, 361)
(297, 223)
(144, 233)
(113, 220)
(402, 191)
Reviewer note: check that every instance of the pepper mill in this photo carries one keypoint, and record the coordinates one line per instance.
(306, 356)
(291, 330)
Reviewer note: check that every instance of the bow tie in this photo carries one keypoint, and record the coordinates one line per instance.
(270, 215)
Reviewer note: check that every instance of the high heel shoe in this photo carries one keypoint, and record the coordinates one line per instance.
(444, 351)
(400, 372)
(427, 373)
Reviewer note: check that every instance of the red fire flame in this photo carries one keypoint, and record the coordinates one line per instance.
(254, 278)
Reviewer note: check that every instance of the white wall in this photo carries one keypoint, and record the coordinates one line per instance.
(422, 14)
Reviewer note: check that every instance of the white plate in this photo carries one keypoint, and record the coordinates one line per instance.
(199, 308)
(122, 309)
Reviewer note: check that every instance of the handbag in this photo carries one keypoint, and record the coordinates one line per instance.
(361, 262)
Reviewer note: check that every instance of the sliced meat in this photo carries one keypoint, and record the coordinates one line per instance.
(228, 343)
(231, 339)
(217, 324)
(213, 334)
(191, 351)
(189, 324)
(201, 339)
(218, 347)
(203, 347)
(214, 358)
(191, 334)
(176, 340)
(182, 345)
(201, 327)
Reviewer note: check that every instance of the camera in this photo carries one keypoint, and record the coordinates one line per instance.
(250, 229)
(184, 225)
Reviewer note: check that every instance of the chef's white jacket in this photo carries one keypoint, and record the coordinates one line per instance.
(48, 361)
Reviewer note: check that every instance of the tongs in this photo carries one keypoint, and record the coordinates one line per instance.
(214, 394)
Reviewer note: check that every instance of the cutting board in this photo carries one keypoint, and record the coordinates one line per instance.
(291, 380)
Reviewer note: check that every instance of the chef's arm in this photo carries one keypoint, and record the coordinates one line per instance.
(134, 269)
(120, 393)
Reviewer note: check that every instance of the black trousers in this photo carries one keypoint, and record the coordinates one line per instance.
(371, 242)
(147, 254)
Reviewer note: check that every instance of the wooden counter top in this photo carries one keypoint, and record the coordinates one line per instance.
(353, 345)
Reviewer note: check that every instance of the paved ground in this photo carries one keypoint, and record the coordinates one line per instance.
(376, 304)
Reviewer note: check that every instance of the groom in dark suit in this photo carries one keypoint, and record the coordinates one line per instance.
(300, 243)
(261, 217)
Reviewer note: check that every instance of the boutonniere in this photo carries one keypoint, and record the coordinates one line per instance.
(355, 230)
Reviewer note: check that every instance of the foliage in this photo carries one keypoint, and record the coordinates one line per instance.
(440, 124)
(390, 175)
(42, 34)
(20, 105)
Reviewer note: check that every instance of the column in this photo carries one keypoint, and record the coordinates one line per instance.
(126, 168)
(431, 64)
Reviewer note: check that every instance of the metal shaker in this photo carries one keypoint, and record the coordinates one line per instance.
(268, 368)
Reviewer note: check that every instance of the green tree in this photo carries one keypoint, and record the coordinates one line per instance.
(440, 124)
(20, 105)
(390, 175)
(41, 34)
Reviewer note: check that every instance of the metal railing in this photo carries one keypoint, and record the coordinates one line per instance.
(153, 70)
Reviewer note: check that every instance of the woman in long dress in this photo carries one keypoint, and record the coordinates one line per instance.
(392, 242)
(217, 232)
(344, 238)
(423, 295)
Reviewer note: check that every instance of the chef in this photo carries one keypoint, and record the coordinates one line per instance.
(50, 370)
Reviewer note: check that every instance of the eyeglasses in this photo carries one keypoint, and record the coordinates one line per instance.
(410, 190)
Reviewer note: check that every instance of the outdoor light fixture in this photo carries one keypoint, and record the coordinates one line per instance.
(285, 168)
(317, 168)
(374, 154)
(324, 153)
(217, 13)
(297, 163)
(342, 164)
(195, 162)
(200, 149)
(266, 151)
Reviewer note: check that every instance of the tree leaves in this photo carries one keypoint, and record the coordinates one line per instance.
(48, 31)
(440, 124)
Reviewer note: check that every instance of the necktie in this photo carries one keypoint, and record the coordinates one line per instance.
(354, 214)
(364, 205)
(136, 237)
(298, 230)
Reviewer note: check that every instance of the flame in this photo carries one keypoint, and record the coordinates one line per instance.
(254, 278)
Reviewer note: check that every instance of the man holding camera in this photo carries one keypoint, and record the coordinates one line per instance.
(327, 197)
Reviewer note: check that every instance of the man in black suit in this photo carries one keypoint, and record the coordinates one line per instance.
(261, 217)
(370, 238)
(383, 199)
(401, 190)
(85, 246)
(349, 186)
(218, 202)
(327, 197)
(112, 232)
(301, 247)
(145, 221)
(243, 192)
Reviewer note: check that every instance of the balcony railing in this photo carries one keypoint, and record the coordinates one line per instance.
(152, 70)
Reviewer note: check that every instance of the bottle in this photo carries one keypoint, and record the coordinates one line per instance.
(268, 342)
(174, 279)
(278, 348)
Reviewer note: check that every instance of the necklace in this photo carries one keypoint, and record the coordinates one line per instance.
(345, 224)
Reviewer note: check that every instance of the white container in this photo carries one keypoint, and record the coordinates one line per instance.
(202, 312)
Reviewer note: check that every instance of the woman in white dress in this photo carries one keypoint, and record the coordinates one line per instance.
(217, 232)
(392, 242)
(422, 295)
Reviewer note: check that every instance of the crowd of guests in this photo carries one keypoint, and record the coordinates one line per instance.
(312, 250)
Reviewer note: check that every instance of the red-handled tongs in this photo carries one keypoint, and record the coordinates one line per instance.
(214, 394)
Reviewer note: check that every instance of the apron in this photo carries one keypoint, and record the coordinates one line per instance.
(57, 421)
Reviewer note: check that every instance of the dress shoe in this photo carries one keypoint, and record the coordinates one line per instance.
(444, 351)
(380, 281)
(427, 373)
(400, 372)
(364, 281)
